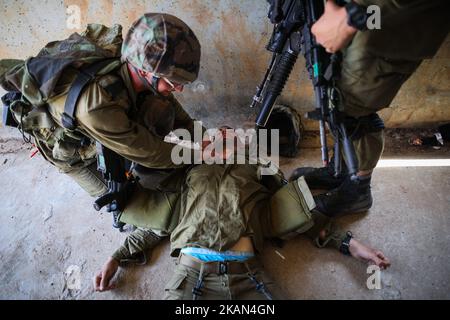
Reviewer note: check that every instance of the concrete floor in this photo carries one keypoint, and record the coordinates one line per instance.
(48, 226)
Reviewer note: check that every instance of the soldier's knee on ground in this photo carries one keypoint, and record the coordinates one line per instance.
(89, 179)
(136, 247)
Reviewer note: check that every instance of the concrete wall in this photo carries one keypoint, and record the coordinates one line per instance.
(233, 34)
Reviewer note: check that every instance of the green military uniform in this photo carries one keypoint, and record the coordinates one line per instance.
(378, 62)
(218, 205)
(135, 126)
(108, 110)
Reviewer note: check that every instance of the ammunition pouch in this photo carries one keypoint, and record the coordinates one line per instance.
(64, 151)
(63, 148)
(72, 147)
(152, 209)
(290, 210)
(8, 119)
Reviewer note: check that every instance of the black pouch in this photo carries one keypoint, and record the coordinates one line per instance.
(8, 118)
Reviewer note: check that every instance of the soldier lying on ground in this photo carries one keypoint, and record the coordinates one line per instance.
(218, 223)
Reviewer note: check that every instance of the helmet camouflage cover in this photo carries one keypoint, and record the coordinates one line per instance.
(163, 45)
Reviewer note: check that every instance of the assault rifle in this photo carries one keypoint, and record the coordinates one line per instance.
(291, 36)
(116, 171)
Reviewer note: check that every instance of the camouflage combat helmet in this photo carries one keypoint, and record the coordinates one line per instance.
(287, 120)
(163, 45)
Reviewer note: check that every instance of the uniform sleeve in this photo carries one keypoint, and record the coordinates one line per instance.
(395, 11)
(410, 29)
(106, 120)
(139, 241)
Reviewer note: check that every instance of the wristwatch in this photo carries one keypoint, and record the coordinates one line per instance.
(345, 244)
(357, 15)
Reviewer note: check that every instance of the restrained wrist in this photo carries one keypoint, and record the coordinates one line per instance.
(345, 244)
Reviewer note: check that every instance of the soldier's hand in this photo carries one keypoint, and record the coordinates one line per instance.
(332, 30)
(370, 255)
(102, 281)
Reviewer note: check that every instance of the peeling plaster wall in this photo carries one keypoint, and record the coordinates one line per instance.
(233, 35)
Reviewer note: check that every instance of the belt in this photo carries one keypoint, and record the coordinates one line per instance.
(218, 267)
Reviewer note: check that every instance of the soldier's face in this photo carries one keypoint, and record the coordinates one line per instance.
(165, 86)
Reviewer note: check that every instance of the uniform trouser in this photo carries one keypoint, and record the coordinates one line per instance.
(368, 84)
(220, 287)
(90, 179)
(291, 213)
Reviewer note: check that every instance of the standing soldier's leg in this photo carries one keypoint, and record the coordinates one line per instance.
(368, 84)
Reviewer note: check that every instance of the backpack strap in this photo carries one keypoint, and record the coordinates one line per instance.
(86, 75)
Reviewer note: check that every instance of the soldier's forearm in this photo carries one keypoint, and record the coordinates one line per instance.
(325, 232)
(138, 241)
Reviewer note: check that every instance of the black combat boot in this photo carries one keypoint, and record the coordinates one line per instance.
(320, 178)
(351, 196)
